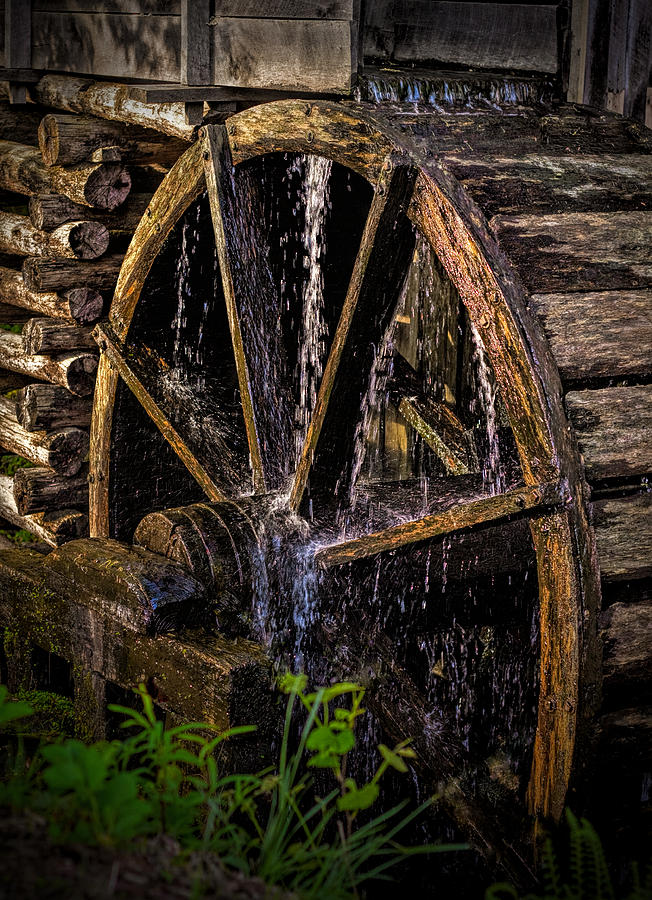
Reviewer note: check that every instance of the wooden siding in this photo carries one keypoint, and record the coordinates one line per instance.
(480, 35)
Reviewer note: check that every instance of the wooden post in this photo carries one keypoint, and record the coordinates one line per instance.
(195, 42)
(18, 37)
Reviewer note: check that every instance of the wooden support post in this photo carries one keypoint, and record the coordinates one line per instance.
(82, 305)
(195, 42)
(18, 36)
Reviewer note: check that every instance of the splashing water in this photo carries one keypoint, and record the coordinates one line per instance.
(493, 475)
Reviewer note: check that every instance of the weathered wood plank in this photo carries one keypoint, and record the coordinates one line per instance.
(286, 9)
(624, 536)
(41, 274)
(55, 528)
(19, 124)
(111, 101)
(637, 58)
(82, 304)
(581, 130)
(40, 490)
(21, 169)
(195, 61)
(207, 679)
(54, 336)
(482, 35)
(136, 46)
(551, 184)
(579, 251)
(66, 140)
(74, 371)
(74, 240)
(598, 335)
(627, 660)
(284, 54)
(62, 451)
(614, 430)
(49, 406)
(137, 7)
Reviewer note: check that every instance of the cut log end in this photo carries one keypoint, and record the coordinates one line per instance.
(88, 240)
(80, 373)
(86, 305)
(108, 186)
(48, 140)
(67, 449)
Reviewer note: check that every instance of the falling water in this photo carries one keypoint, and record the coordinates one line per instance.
(313, 331)
(484, 403)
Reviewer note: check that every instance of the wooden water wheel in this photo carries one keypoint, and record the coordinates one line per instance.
(411, 194)
(195, 432)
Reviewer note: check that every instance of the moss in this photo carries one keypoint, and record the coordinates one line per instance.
(10, 462)
(53, 714)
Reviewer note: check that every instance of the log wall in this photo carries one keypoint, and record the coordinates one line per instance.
(60, 258)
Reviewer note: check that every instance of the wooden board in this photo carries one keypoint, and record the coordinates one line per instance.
(614, 430)
(548, 184)
(624, 536)
(286, 9)
(135, 7)
(598, 335)
(284, 54)
(579, 251)
(132, 46)
(480, 35)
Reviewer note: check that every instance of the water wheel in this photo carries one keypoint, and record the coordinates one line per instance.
(204, 423)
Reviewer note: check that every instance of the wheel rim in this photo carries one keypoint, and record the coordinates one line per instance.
(552, 493)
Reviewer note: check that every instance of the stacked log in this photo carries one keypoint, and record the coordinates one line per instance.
(68, 217)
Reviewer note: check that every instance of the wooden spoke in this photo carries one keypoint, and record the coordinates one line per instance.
(136, 381)
(218, 169)
(378, 273)
(457, 518)
(434, 422)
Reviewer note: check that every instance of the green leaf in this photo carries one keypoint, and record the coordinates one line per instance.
(392, 758)
(358, 798)
(292, 684)
(324, 739)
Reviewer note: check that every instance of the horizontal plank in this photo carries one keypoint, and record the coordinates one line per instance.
(627, 656)
(136, 7)
(133, 46)
(285, 9)
(481, 35)
(598, 335)
(284, 54)
(623, 534)
(186, 93)
(574, 129)
(614, 430)
(550, 184)
(579, 251)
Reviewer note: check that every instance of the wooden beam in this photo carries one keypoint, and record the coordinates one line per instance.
(624, 536)
(458, 518)
(109, 100)
(607, 334)
(49, 406)
(74, 240)
(613, 427)
(48, 211)
(62, 451)
(42, 335)
(195, 42)
(18, 43)
(42, 274)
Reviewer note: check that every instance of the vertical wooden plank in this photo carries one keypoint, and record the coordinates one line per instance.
(18, 49)
(616, 63)
(638, 59)
(195, 42)
(578, 50)
(595, 86)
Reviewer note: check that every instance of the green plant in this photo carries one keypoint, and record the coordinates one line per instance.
(268, 824)
(585, 876)
(10, 462)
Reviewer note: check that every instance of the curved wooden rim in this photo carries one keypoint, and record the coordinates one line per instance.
(520, 357)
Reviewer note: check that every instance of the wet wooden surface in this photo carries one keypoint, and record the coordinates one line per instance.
(624, 537)
(614, 430)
